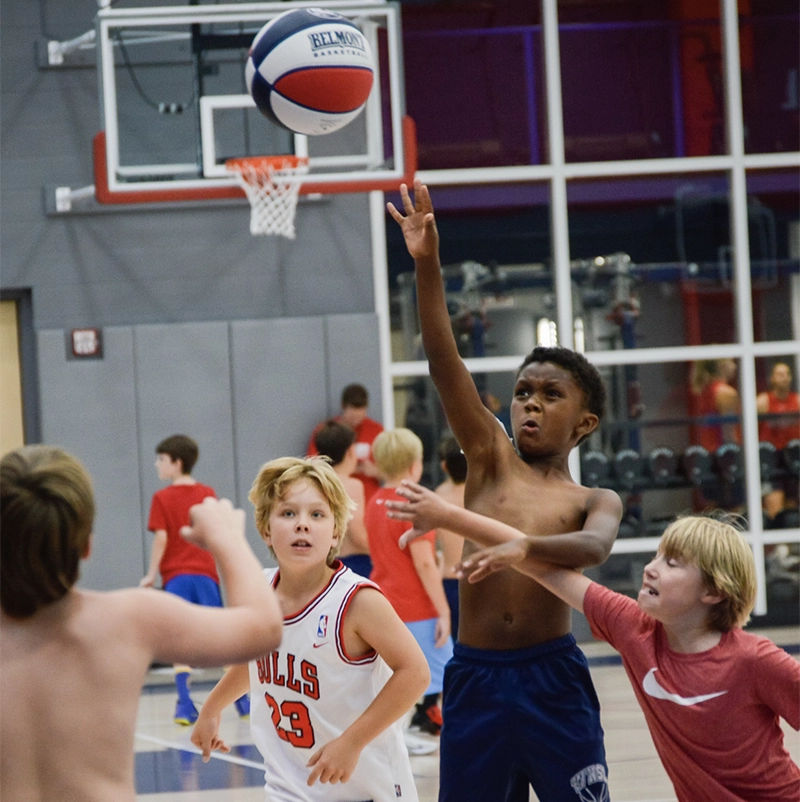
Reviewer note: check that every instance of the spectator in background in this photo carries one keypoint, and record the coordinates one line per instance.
(713, 395)
(779, 399)
(337, 442)
(410, 577)
(355, 402)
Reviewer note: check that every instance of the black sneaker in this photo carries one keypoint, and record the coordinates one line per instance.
(427, 720)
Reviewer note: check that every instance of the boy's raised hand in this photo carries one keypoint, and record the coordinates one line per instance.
(425, 509)
(419, 224)
(213, 522)
(488, 561)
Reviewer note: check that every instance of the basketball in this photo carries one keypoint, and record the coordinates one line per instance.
(310, 70)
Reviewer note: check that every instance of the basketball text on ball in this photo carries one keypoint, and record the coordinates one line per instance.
(337, 38)
(310, 71)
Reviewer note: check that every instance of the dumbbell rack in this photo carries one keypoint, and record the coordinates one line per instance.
(630, 472)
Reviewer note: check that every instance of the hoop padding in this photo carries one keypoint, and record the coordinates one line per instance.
(130, 195)
(272, 186)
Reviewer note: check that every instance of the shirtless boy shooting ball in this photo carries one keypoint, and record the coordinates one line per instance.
(513, 633)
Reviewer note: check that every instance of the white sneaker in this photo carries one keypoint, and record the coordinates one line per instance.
(417, 745)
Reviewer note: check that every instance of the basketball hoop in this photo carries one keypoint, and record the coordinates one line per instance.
(272, 186)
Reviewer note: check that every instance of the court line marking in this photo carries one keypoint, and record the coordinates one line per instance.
(184, 747)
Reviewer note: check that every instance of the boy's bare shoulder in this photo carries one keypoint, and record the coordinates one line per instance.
(451, 492)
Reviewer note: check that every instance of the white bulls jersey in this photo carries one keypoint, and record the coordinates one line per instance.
(308, 691)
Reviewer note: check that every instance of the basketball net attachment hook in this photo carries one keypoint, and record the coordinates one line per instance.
(272, 185)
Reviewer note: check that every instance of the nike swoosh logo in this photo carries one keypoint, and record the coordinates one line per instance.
(317, 645)
(652, 688)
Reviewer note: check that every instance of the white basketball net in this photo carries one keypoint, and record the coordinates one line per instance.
(272, 188)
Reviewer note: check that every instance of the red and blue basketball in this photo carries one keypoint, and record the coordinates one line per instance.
(310, 70)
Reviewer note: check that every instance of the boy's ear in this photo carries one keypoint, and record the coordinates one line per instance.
(87, 550)
(710, 597)
(587, 424)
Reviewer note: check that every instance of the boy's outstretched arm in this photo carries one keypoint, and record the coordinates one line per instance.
(251, 624)
(429, 573)
(205, 734)
(157, 552)
(469, 420)
(588, 546)
(568, 584)
(376, 626)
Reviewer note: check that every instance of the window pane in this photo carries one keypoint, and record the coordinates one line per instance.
(779, 440)
(652, 261)
(641, 81)
(773, 210)
(770, 53)
(620, 87)
(476, 96)
(496, 268)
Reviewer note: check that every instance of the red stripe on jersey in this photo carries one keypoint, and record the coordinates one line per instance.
(369, 657)
(300, 614)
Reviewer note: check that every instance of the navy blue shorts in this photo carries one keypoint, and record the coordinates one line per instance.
(451, 592)
(520, 718)
(195, 588)
(360, 564)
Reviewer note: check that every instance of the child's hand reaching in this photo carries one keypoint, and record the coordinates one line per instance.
(419, 225)
(335, 762)
(213, 522)
(424, 508)
(205, 736)
(488, 561)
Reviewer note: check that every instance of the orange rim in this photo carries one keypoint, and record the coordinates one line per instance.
(260, 162)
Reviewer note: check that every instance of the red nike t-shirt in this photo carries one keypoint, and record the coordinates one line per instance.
(714, 715)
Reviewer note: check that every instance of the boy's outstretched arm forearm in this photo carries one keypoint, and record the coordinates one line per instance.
(454, 384)
(220, 528)
(424, 559)
(205, 735)
(567, 583)
(583, 548)
(251, 624)
(156, 554)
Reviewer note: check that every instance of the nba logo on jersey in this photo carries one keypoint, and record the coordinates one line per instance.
(397, 791)
(322, 626)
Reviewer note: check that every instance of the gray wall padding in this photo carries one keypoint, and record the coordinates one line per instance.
(248, 391)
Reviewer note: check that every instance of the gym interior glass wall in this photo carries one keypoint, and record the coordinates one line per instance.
(650, 220)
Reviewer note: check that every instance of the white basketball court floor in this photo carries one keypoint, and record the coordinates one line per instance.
(169, 770)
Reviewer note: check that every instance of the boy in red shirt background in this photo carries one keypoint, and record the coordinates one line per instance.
(410, 578)
(186, 570)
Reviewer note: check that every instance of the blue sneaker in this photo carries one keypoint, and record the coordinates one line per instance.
(243, 706)
(185, 712)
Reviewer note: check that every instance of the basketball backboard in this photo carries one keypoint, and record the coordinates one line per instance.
(174, 106)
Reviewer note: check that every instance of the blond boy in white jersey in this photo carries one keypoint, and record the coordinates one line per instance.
(326, 706)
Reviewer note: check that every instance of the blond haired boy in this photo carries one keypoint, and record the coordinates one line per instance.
(410, 578)
(325, 706)
(712, 694)
(73, 661)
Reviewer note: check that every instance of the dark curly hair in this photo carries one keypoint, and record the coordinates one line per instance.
(584, 372)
